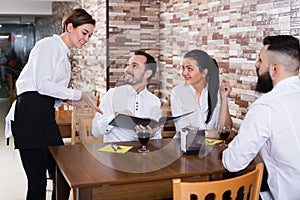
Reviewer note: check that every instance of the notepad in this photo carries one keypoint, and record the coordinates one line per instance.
(212, 141)
(113, 148)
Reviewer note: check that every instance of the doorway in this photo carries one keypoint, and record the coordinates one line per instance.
(16, 41)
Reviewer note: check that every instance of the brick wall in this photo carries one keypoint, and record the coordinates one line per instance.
(133, 25)
(89, 63)
(230, 31)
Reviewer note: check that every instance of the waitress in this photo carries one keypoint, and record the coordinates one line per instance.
(42, 84)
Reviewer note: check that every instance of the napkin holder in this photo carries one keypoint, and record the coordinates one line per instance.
(192, 140)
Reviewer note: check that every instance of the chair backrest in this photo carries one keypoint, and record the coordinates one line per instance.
(249, 183)
(12, 91)
(169, 130)
(82, 127)
(65, 106)
(10, 82)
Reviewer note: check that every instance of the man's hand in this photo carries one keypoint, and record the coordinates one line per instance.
(124, 112)
(147, 128)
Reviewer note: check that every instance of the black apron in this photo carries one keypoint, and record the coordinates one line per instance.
(34, 124)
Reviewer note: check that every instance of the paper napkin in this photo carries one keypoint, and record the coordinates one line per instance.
(212, 141)
(113, 148)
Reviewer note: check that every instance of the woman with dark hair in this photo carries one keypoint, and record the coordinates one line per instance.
(201, 93)
(42, 84)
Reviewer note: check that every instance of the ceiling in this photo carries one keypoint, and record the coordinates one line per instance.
(28, 7)
(25, 11)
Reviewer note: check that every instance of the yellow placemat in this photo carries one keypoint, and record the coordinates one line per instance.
(212, 141)
(113, 148)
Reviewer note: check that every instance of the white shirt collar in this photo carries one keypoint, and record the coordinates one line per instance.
(286, 81)
(63, 46)
(203, 98)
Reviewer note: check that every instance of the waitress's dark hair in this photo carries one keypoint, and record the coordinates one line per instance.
(204, 61)
(77, 17)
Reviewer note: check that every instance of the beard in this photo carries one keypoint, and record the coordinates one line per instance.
(264, 82)
(132, 80)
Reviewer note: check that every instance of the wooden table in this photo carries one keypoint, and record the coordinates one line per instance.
(91, 179)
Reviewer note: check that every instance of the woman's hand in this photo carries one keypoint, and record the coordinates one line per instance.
(225, 88)
(90, 99)
(76, 104)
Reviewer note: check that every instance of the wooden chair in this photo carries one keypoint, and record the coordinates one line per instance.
(63, 118)
(169, 130)
(12, 91)
(12, 95)
(249, 182)
(154, 88)
(86, 131)
(64, 106)
(82, 127)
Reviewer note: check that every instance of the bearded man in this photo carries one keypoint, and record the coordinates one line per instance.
(271, 127)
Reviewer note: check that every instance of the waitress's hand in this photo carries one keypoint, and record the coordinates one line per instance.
(76, 104)
(90, 99)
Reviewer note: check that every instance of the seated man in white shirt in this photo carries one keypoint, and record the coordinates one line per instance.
(133, 99)
(271, 126)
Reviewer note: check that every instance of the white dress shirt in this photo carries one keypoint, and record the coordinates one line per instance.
(183, 100)
(142, 104)
(48, 70)
(272, 128)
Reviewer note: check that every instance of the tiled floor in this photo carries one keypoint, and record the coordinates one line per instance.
(13, 181)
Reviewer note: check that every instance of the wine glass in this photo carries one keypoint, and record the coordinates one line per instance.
(143, 137)
(224, 133)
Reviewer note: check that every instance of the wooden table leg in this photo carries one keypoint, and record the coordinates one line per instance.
(62, 189)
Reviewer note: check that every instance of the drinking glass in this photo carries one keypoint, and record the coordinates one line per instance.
(224, 133)
(143, 137)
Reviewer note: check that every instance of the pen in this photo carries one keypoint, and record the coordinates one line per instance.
(113, 147)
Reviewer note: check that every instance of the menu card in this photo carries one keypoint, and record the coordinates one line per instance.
(130, 122)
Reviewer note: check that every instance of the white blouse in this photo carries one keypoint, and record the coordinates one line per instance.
(48, 70)
(183, 100)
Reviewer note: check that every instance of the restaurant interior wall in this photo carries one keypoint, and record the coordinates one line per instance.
(230, 31)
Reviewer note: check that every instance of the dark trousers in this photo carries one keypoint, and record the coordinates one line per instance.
(36, 162)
